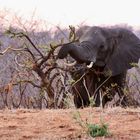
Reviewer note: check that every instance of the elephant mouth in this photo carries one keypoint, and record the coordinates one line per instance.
(95, 62)
(100, 63)
(90, 65)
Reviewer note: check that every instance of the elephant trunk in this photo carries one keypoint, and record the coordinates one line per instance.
(83, 54)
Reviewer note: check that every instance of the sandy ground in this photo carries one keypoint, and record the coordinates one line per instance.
(124, 124)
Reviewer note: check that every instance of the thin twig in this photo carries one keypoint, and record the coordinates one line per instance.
(79, 79)
(10, 48)
(101, 85)
(21, 34)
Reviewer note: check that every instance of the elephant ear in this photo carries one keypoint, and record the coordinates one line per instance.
(126, 52)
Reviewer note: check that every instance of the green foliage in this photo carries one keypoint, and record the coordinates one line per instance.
(72, 35)
(96, 130)
(107, 73)
(68, 101)
(71, 81)
(134, 65)
(79, 120)
(92, 102)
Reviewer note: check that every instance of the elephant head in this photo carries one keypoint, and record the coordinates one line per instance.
(112, 48)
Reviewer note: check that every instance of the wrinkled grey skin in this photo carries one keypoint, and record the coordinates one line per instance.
(112, 49)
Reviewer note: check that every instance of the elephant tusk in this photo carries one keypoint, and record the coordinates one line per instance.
(90, 65)
(70, 64)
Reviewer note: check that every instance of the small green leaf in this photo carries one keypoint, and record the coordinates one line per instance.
(134, 65)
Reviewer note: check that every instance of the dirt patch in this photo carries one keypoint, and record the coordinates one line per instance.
(124, 124)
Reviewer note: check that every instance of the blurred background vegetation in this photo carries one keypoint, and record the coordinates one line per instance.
(29, 77)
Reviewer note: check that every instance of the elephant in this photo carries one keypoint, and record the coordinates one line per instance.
(108, 52)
